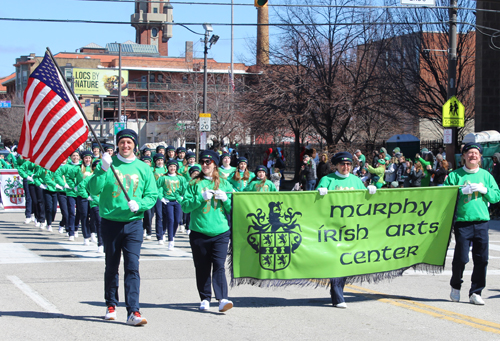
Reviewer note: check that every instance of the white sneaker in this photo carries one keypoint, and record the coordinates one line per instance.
(148, 237)
(110, 313)
(27, 221)
(455, 295)
(49, 228)
(170, 246)
(204, 305)
(476, 299)
(93, 238)
(161, 242)
(71, 238)
(341, 305)
(182, 228)
(144, 234)
(188, 232)
(43, 226)
(100, 249)
(86, 242)
(164, 238)
(135, 319)
(61, 229)
(37, 224)
(225, 305)
(33, 218)
(76, 234)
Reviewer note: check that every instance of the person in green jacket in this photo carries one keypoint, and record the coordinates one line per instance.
(172, 213)
(341, 180)
(477, 189)
(225, 170)
(158, 171)
(208, 199)
(95, 218)
(48, 184)
(260, 182)
(241, 177)
(82, 195)
(65, 178)
(121, 220)
(181, 155)
(148, 214)
(27, 170)
(190, 162)
(428, 160)
(29, 209)
(378, 172)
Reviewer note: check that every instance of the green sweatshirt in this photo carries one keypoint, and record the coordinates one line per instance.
(66, 175)
(82, 190)
(226, 173)
(49, 180)
(137, 179)
(12, 160)
(27, 169)
(168, 185)
(39, 176)
(207, 217)
(379, 171)
(334, 182)
(4, 164)
(474, 207)
(258, 186)
(184, 171)
(426, 180)
(239, 186)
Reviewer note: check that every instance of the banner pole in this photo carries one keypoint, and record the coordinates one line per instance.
(87, 121)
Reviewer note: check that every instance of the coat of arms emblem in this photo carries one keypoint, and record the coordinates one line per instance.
(275, 240)
(14, 190)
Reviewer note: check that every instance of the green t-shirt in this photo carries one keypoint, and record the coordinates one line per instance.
(258, 186)
(333, 182)
(226, 173)
(168, 185)
(241, 184)
(474, 207)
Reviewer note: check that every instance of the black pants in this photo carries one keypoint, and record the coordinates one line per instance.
(63, 205)
(118, 237)
(95, 223)
(27, 196)
(465, 233)
(82, 205)
(50, 205)
(38, 202)
(147, 221)
(209, 255)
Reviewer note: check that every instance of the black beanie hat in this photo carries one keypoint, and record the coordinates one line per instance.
(146, 158)
(472, 145)
(159, 147)
(158, 156)
(129, 133)
(261, 168)
(342, 156)
(242, 159)
(210, 155)
(86, 153)
(172, 162)
(195, 168)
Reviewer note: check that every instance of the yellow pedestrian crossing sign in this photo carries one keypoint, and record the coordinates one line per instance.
(453, 113)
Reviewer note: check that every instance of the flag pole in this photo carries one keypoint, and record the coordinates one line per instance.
(87, 121)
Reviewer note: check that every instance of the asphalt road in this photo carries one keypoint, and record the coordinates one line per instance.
(52, 289)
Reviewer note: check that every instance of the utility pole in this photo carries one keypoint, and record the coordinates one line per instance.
(451, 149)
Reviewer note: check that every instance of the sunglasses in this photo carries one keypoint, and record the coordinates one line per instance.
(206, 162)
(346, 164)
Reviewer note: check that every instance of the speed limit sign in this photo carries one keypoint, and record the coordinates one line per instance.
(205, 122)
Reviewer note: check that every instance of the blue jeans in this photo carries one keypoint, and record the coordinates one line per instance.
(147, 221)
(27, 197)
(63, 205)
(70, 227)
(209, 254)
(158, 211)
(172, 215)
(118, 237)
(310, 184)
(465, 233)
(337, 290)
(50, 205)
(83, 209)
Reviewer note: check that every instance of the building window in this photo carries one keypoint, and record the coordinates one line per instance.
(160, 78)
(185, 79)
(155, 10)
(152, 77)
(154, 32)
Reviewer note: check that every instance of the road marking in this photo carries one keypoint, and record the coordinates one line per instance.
(35, 296)
(484, 325)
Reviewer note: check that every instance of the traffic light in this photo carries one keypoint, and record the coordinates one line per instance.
(260, 3)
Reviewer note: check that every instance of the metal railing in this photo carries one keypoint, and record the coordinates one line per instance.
(176, 86)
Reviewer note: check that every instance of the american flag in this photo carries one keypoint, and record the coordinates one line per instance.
(53, 125)
(231, 80)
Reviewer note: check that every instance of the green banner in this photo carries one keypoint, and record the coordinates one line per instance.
(302, 235)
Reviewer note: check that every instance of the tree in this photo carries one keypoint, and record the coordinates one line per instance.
(12, 121)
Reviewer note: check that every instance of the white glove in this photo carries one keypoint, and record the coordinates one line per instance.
(164, 200)
(220, 195)
(133, 205)
(66, 186)
(466, 190)
(372, 189)
(30, 178)
(90, 198)
(322, 191)
(42, 186)
(106, 161)
(478, 188)
(59, 187)
(207, 195)
(7, 149)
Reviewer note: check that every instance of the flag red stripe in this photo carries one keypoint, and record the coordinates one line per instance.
(38, 111)
(54, 126)
(81, 140)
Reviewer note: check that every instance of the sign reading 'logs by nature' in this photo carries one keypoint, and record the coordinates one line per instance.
(302, 235)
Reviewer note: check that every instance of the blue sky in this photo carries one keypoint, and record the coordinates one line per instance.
(23, 38)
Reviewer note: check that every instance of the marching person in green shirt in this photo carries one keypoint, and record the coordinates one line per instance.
(478, 188)
(226, 171)
(241, 177)
(209, 203)
(121, 220)
(190, 162)
(168, 184)
(341, 180)
(260, 182)
(82, 201)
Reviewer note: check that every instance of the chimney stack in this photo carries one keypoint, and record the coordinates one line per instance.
(189, 52)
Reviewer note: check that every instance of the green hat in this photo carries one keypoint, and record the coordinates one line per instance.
(381, 161)
(396, 150)
(388, 158)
